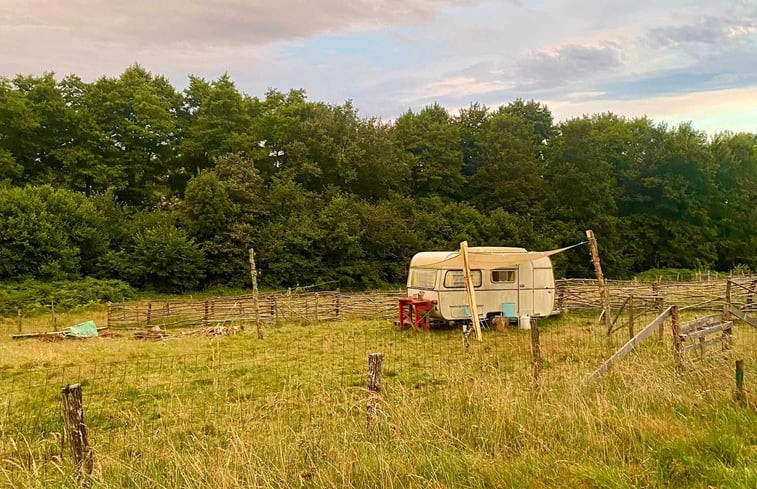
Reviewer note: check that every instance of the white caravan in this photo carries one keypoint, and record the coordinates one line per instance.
(508, 282)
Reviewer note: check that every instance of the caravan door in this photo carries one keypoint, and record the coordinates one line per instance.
(526, 289)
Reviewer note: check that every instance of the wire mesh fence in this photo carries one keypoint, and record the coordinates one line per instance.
(305, 376)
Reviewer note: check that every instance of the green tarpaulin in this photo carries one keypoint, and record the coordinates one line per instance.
(83, 330)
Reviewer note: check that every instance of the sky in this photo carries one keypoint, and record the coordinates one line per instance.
(671, 60)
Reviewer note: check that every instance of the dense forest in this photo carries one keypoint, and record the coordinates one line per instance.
(130, 178)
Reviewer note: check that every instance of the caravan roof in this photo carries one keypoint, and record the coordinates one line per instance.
(428, 259)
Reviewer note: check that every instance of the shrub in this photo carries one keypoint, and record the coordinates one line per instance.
(34, 296)
(163, 259)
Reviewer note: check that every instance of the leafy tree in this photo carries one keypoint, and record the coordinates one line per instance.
(49, 233)
(163, 259)
(432, 141)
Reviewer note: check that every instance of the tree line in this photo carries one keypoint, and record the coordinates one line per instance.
(127, 177)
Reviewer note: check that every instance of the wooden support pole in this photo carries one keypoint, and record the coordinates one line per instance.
(206, 310)
(75, 433)
(255, 302)
(20, 314)
(675, 330)
(659, 306)
(55, 320)
(535, 353)
(375, 361)
(728, 291)
(149, 312)
(272, 308)
(740, 394)
(110, 311)
(630, 317)
(727, 333)
(337, 298)
(604, 296)
(316, 307)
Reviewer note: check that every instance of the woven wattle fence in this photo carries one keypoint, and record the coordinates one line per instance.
(288, 306)
(269, 308)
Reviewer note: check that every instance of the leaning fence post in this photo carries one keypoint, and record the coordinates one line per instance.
(630, 317)
(535, 353)
(75, 431)
(740, 394)
(374, 386)
(676, 331)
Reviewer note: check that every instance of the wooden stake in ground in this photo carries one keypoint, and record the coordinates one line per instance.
(254, 277)
(469, 290)
(20, 314)
(604, 296)
(535, 353)
(375, 361)
(740, 395)
(55, 320)
(676, 332)
(75, 432)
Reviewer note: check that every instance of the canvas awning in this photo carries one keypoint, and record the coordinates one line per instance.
(492, 259)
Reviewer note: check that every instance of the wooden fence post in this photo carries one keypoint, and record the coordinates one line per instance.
(20, 314)
(110, 311)
(535, 353)
(375, 361)
(337, 298)
(55, 320)
(659, 306)
(206, 309)
(740, 394)
(604, 296)
(728, 291)
(676, 332)
(272, 307)
(630, 317)
(75, 432)
(149, 312)
(316, 307)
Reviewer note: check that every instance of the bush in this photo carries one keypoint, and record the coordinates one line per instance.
(163, 259)
(35, 297)
(49, 233)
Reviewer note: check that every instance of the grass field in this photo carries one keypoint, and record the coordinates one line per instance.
(289, 410)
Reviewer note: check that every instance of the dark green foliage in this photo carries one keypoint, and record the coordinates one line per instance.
(49, 233)
(128, 178)
(35, 296)
(161, 258)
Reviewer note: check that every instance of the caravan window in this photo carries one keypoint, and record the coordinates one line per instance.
(499, 276)
(422, 279)
(453, 279)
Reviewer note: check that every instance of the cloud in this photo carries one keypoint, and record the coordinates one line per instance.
(711, 110)
(714, 32)
(460, 86)
(224, 22)
(566, 64)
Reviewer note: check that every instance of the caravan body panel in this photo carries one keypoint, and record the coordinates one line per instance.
(524, 289)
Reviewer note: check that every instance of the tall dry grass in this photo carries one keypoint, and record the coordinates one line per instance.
(289, 411)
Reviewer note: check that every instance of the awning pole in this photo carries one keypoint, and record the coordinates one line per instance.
(470, 292)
